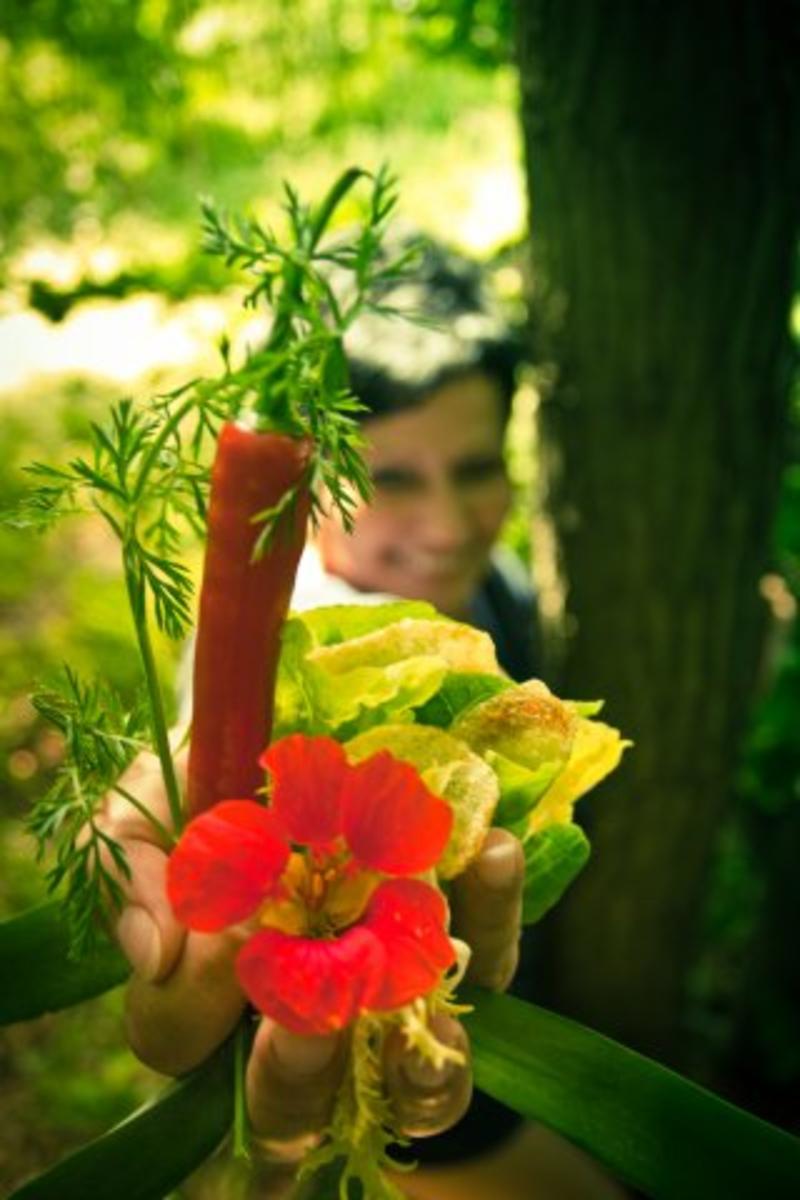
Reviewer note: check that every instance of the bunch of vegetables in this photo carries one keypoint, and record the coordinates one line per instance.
(387, 742)
(398, 743)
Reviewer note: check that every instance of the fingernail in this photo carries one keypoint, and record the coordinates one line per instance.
(498, 864)
(423, 1074)
(140, 941)
(302, 1055)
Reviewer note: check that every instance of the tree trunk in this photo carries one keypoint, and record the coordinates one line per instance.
(664, 174)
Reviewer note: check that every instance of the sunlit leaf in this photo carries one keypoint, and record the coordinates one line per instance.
(520, 787)
(331, 624)
(459, 691)
(596, 752)
(391, 665)
(527, 724)
(460, 646)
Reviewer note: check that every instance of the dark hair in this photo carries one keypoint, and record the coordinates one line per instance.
(455, 329)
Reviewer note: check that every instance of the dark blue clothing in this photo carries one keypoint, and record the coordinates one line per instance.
(505, 608)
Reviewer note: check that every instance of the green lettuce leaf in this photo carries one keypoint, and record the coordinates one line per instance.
(586, 708)
(296, 700)
(335, 623)
(311, 700)
(553, 858)
(390, 666)
(368, 696)
(461, 647)
(527, 724)
(526, 734)
(460, 690)
(596, 752)
(520, 788)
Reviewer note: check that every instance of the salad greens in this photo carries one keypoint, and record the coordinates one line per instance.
(402, 678)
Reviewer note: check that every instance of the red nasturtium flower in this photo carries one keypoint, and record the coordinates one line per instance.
(334, 936)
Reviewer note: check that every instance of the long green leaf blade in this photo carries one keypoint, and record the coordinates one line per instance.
(148, 1155)
(39, 977)
(657, 1131)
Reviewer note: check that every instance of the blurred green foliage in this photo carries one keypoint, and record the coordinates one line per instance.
(142, 103)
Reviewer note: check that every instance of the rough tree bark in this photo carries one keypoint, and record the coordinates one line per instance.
(662, 146)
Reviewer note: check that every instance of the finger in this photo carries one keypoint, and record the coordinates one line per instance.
(173, 1025)
(486, 904)
(148, 933)
(425, 1100)
(292, 1081)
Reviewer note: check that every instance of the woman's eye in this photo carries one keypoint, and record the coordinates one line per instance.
(393, 479)
(480, 470)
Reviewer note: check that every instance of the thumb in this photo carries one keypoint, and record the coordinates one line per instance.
(147, 930)
(292, 1081)
(486, 903)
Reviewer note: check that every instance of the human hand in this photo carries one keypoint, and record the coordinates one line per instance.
(184, 998)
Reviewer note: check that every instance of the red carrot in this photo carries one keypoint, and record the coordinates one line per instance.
(242, 606)
(299, 382)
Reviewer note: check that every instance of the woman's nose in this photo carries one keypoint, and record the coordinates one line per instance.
(447, 522)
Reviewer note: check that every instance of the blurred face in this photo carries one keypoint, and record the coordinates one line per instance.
(441, 494)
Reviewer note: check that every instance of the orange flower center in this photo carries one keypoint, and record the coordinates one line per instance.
(318, 895)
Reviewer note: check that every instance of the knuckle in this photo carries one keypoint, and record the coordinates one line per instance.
(426, 1115)
(289, 1114)
(500, 865)
(426, 1100)
(495, 973)
(292, 1083)
(490, 931)
(144, 1033)
(281, 1108)
(484, 911)
(284, 1151)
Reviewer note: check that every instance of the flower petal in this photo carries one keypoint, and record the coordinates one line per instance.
(307, 774)
(226, 862)
(312, 985)
(391, 820)
(408, 917)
